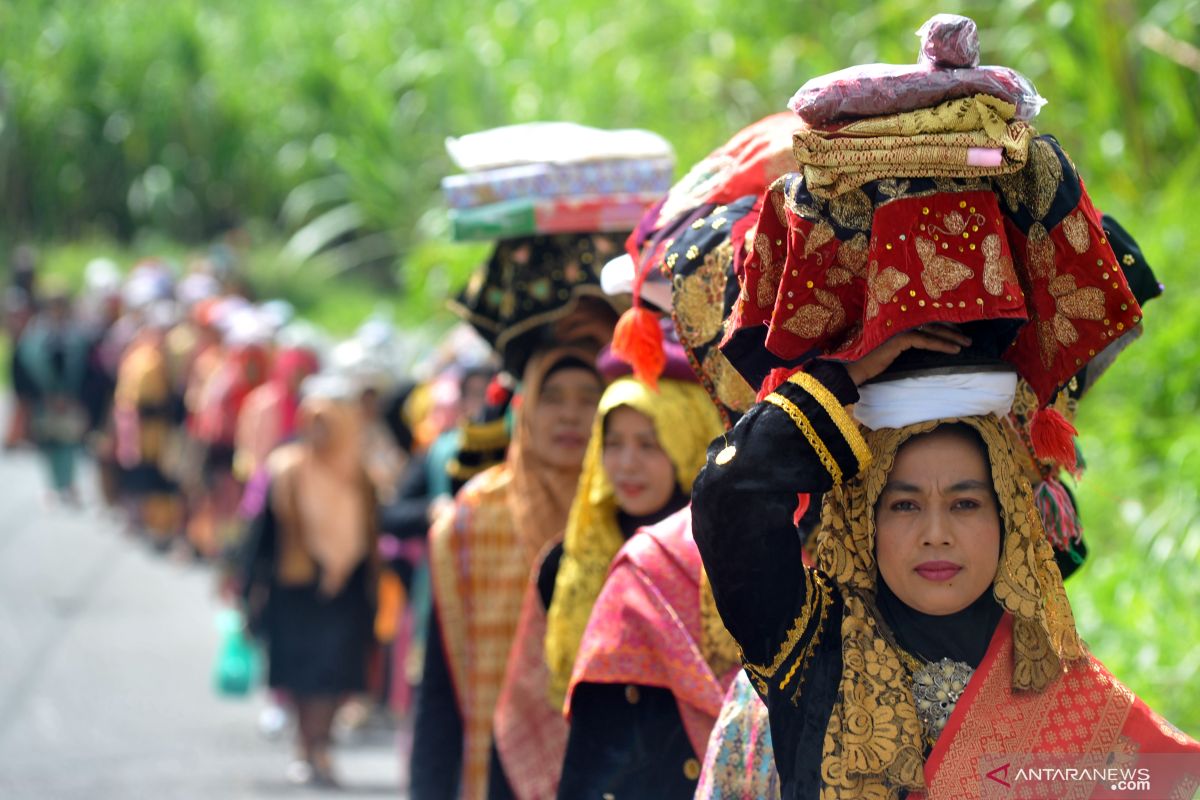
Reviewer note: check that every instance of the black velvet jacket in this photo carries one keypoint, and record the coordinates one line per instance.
(787, 617)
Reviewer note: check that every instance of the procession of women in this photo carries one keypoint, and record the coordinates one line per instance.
(751, 483)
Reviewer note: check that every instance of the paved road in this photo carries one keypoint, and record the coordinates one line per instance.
(105, 658)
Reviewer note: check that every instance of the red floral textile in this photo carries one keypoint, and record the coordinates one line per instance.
(837, 277)
(1086, 716)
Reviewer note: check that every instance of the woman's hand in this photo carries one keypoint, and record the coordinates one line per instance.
(939, 337)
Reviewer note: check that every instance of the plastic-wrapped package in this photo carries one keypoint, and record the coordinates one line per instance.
(623, 176)
(949, 41)
(873, 90)
(554, 143)
(528, 216)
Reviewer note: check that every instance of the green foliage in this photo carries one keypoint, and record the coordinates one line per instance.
(191, 115)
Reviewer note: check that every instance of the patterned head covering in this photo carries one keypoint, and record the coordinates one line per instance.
(685, 423)
(874, 733)
(530, 283)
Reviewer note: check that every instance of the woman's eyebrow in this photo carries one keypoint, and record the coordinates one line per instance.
(900, 486)
(970, 484)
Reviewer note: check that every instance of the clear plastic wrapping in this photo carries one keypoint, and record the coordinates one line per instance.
(948, 70)
(949, 41)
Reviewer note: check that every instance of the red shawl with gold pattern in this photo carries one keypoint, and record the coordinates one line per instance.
(1085, 719)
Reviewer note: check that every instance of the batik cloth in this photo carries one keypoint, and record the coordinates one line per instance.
(740, 761)
(969, 137)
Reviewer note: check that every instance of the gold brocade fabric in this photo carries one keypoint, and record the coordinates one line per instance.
(873, 745)
(930, 143)
(964, 115)
(685, 421)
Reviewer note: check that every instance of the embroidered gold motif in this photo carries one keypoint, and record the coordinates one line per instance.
(698, 298)
(1075, 227)
(1077, 303)
(955, 223)
(811, 321)
(997, 265)
(852, 210)
(772, 270)
(1047, 342)
(1040, 252)
(820, 235)
(882, 286)
(851, 260)
(1036, 185)
(777, 203)
(941, 273)
(868, 752)
(731, 388)
(873, 744)
(1071, 303)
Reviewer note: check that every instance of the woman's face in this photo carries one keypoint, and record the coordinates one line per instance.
(562, 421)
(937, 524)
(642, 475)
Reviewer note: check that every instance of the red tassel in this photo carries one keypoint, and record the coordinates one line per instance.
(497, 393)
(803, 501)
(1053, 438)
(775, 378)
(638, 341)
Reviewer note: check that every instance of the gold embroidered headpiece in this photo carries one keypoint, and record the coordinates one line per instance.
(873, 743)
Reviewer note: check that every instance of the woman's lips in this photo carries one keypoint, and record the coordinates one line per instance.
(937, 570)
(630, 489)
(570, 440)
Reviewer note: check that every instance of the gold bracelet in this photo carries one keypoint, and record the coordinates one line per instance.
(837, 413)
(810, 433)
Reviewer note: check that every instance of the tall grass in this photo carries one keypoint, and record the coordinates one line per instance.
(189, 116)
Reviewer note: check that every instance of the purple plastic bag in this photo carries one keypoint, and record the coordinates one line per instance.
(875, 90)
(949, 41)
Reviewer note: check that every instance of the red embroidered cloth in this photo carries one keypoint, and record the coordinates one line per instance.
(837, 277)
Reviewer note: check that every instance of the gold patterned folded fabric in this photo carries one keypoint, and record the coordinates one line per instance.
(954, 116)
(943, 141)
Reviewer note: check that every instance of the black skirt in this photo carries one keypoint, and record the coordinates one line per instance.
(319, 645)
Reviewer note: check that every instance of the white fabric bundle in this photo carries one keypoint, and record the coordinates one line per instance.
(907, 401)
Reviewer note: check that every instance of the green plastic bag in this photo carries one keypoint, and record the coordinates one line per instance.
(238, 662)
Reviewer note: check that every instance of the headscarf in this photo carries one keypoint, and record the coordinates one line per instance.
(481, 554)
(685, 422)
(321, 490)
(541, 493)
(874, 737)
